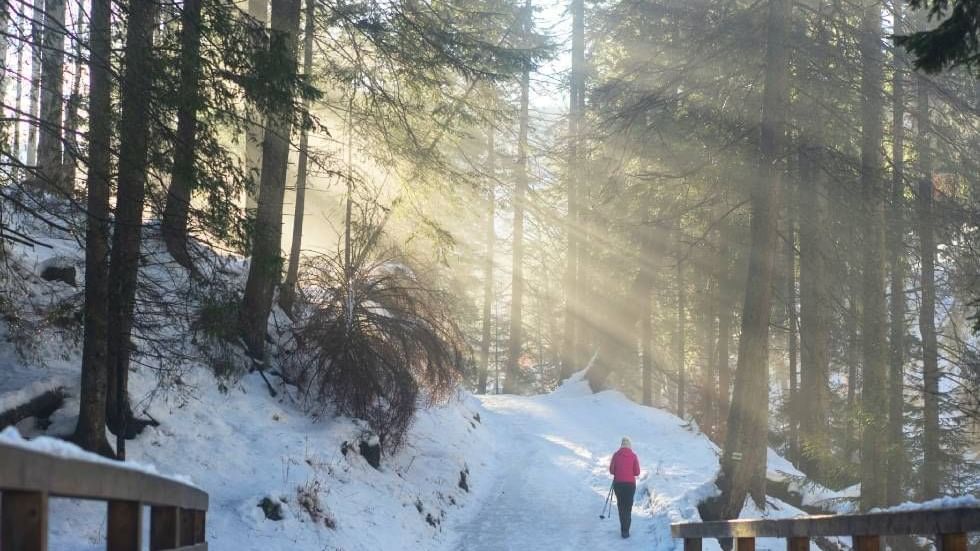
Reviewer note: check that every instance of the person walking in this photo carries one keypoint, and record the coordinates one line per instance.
(624, 467)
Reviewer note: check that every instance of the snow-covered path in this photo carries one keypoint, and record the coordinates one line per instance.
(551, 480)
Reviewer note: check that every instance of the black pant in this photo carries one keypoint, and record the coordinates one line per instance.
(624, 501)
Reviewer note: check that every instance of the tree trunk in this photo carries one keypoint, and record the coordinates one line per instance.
(266, 265)
(52, 77)
(37, 24)
(572, 347)
(896, 254)
(5, 20)
(18, 102)
(874, 395)
(90, 430)
(743, 460)
(488, 263)
(254, 130)
(852, 356)
(679, 336)
(791, 329)
(126, 237)
(299, 209)
(182, 175)
(707, 330)
(645, 295)
(646, 344)
(931, 461)
(815, 313)
(73, 118)
(515, 346)
(726, 314)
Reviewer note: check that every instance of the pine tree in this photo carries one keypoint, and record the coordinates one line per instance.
(744, 455)
(266, 258)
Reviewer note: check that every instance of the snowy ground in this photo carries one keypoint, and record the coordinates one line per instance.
(550, 478)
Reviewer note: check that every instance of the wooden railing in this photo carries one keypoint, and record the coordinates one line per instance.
(29, 478)
(949, 527)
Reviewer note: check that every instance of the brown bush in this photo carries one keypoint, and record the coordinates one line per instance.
(374, 342)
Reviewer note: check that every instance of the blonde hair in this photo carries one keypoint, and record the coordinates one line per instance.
(626, 443)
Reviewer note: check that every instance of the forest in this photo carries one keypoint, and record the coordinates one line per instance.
(759, 217)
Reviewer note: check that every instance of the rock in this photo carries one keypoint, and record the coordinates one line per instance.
(271, 508)
(64, 274)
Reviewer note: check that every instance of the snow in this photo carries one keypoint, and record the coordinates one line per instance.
(948, 502)
(244, 446)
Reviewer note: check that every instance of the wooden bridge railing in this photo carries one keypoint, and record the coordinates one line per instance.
(28, 478)
(950, 527)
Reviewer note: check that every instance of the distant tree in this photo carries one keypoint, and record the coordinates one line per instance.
(955, 41)
(299, 208)
(874, 397)
(515, 348)
(571, 346)
(182, 175)
(49, 145)
(488, 262)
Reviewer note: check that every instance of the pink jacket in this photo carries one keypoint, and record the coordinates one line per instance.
(625, 466)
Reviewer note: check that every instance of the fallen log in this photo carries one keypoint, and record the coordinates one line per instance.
(40, 407)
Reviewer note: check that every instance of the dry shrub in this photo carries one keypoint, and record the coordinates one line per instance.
(373, 341)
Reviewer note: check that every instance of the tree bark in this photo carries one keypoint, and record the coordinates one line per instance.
(743, 460)
(491, 237)
(896, 262)
(874, 397)
(299, 209)
(515, 346)
(49, 150)
(266, 264)
(572, 347)
(931, 461)
(182, 175)
(131, 191)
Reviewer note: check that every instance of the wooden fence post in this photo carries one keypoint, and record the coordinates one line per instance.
(199, 519)
(798, 544)
(187, 527)
(867, 543)
(951, 542)
(745, 544)
(164, 527)
(125, 526)
(24, 522)
(692, 544)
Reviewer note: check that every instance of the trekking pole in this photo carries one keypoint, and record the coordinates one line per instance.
(606, 507)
